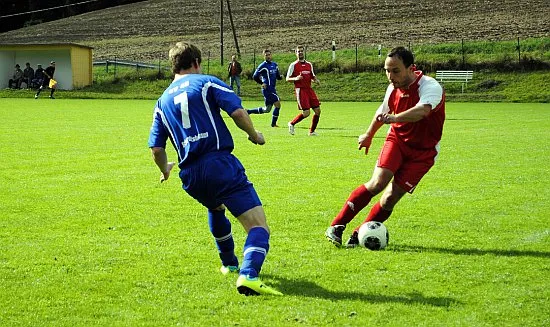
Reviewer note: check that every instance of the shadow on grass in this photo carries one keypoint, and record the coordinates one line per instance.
(308, 288)
(504, 253)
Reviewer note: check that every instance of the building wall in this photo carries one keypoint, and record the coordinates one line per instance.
(81, 61)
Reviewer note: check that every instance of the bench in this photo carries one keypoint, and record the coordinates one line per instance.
(454, 76)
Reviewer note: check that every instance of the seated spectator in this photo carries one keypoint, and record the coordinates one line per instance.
(28, 75)
(38, 77)
(15, 82)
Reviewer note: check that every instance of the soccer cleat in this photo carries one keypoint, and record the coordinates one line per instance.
(312, 134)
(36, 96)
(290, 128)
(229, 269)
(52, 97)
(275, 125)
(254, 286)
(334, 234)
(353, 241)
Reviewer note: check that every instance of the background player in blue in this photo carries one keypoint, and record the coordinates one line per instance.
(189, 114)
(267, 75)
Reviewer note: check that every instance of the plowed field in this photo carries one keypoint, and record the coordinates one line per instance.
(144, 31)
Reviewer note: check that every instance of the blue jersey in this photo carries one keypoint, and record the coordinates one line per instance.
(188, 113)
(267, 73)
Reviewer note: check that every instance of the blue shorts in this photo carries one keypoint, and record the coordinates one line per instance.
(220, 179)
(270, 96)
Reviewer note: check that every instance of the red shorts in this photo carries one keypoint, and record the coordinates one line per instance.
(306, 98)
(408, 165)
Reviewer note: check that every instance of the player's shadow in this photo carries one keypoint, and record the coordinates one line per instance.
(498, 252)
(300, 287)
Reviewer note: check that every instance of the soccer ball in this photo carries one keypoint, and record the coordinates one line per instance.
(373, 235)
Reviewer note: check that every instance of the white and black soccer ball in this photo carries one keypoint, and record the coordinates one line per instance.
(373, 235)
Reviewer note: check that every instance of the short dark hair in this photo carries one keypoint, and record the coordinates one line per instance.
(266, 51)
(183, 55)
(404, 54)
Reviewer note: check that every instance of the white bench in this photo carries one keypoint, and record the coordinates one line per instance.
(463, 76)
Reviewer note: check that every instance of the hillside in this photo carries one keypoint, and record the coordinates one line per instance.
(145, 30)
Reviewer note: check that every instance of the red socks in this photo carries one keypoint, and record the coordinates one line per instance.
(314, 122)
(297, 119)
(377, 213)
(357, 200)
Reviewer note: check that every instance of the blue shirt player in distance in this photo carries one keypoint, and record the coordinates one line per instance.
(189, 115)
(267, 75)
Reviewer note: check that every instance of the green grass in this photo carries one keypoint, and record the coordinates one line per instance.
(89, 238)
(526, 87)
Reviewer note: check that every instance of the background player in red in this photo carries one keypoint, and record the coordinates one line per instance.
(414, 106)
(301, 73)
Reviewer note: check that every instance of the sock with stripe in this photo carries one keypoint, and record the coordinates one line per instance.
(220, 227)
(255, 251)
(357, 200)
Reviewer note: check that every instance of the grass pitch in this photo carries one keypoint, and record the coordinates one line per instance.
(89, 237)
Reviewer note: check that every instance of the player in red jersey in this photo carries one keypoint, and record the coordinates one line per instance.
(414, 106)
(301, 73)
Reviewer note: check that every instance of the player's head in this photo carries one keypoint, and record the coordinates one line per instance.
(183, 56)
(300, 52)
(233, 58)
(399, 67)
(267, 55)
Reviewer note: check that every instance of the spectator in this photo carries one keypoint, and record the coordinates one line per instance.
(15, 82)
(234, 71)
(28, 75)
(38, 76)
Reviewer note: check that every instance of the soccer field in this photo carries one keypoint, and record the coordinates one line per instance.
(88, 237)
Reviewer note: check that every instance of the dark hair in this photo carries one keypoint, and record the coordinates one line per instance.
(266, 51)
(404, 54)
(183, 55)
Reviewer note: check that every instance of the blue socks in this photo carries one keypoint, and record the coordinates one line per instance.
(275, 116)
(255, 251)
(259, 110)
(220, 227)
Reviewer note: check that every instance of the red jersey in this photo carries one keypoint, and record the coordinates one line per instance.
(425, 133)
(305, 69)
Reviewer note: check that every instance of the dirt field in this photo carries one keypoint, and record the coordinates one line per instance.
(144, 31)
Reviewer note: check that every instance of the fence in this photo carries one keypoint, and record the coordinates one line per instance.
(504, 55)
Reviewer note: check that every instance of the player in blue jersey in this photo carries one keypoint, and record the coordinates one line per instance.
(267, 75)
(189, 114)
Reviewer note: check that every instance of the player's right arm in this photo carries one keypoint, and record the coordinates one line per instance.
(157, 143)
(365, 140)
(290, 74)
(257, 76)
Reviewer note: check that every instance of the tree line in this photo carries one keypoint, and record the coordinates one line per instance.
(16, 14)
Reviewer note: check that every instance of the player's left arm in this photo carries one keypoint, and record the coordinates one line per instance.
(315, 79)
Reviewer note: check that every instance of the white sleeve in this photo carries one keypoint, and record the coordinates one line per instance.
(430, 92)
(290, 70)
(384, 108)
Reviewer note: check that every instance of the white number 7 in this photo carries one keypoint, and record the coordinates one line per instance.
(181, 99)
